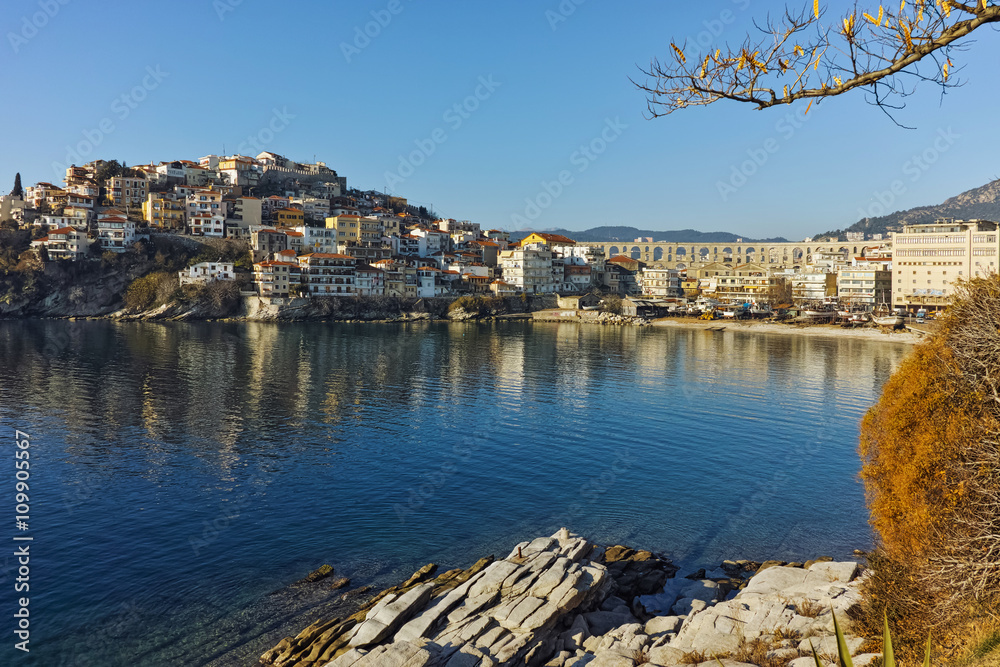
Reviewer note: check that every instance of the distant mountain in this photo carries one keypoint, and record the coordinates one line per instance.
(630, 234)
(982, 203)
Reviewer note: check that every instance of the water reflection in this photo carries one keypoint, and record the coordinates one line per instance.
(700, 444)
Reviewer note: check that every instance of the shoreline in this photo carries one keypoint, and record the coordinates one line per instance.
(713, 326)
(821, 330)
(563, 601)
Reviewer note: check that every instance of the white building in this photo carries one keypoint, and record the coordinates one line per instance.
(65, 243)
(660, 283)
(115, 233)
(864, 285)
(206, 224)
(206, 272)
(205, 201)
(528, 270)
(929, 259)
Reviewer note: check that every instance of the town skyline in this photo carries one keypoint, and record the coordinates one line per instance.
(498, 134)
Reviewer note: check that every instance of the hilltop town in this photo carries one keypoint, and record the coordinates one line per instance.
(276, 229)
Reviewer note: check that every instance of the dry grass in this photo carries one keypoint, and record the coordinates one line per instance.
(694, 658)
(783, 633)
(640, 656)
(757, 652)
(984, 651)
(808, 608)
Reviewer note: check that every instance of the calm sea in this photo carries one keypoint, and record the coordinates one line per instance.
(181, 473)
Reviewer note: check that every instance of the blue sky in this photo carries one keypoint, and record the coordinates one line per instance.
(160, 81)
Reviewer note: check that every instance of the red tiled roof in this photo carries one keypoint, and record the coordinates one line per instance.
(327, 255)
(276, 263)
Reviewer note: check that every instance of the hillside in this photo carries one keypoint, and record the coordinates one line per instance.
(979, 203)
(629, 234)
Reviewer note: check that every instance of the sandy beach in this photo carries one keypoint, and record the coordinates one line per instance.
(751, 326)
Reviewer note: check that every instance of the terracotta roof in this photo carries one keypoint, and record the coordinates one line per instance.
(276, 263)
(553, 238)
(62, 230)
(327, 255)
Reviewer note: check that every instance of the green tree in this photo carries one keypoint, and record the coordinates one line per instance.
(18, 191)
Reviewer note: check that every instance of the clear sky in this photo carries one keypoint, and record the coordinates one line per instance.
(533, 82)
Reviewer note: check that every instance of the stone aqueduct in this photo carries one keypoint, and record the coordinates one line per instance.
(694, 255)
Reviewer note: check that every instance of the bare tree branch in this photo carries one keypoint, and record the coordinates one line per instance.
(788, 62)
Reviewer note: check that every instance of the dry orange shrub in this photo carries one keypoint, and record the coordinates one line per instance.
(909, 442)
(931, 467)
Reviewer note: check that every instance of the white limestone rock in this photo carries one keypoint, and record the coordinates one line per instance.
(659, 625)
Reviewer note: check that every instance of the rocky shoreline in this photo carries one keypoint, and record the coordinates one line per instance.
(562, 601)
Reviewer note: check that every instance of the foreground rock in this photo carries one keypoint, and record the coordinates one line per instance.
(560, 601)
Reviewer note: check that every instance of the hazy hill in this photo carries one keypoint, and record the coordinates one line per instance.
(630, 234)
(979, 203)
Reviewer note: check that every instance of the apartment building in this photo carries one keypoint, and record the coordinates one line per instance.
(929, 259)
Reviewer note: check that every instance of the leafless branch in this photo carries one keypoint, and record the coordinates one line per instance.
(867, 50)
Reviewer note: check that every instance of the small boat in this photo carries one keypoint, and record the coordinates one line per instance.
(731, 312)
(889, 321)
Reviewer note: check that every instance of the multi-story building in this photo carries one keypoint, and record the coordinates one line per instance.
(749, 282)
(659, 283)
(275, 278)
(127, 190)
(929, 259)
(327, 274)
(528, 270)
(347, 227)
(205, 201)
(812, 286)
(64, 243)
(44, 194)
(369, 281)
(206, 224)
(78, 221)
(266, 241)
(238, 169)
(865, 285)
(164, 210)
(318, 239)
(115, 233)
(413, 246)
(288, 217)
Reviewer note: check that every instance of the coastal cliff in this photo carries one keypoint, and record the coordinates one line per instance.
(562, 601)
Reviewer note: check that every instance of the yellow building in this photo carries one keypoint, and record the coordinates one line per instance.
(289, 217)
(164, 211)
(348, 227)
(546, 240)
(127, 190)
